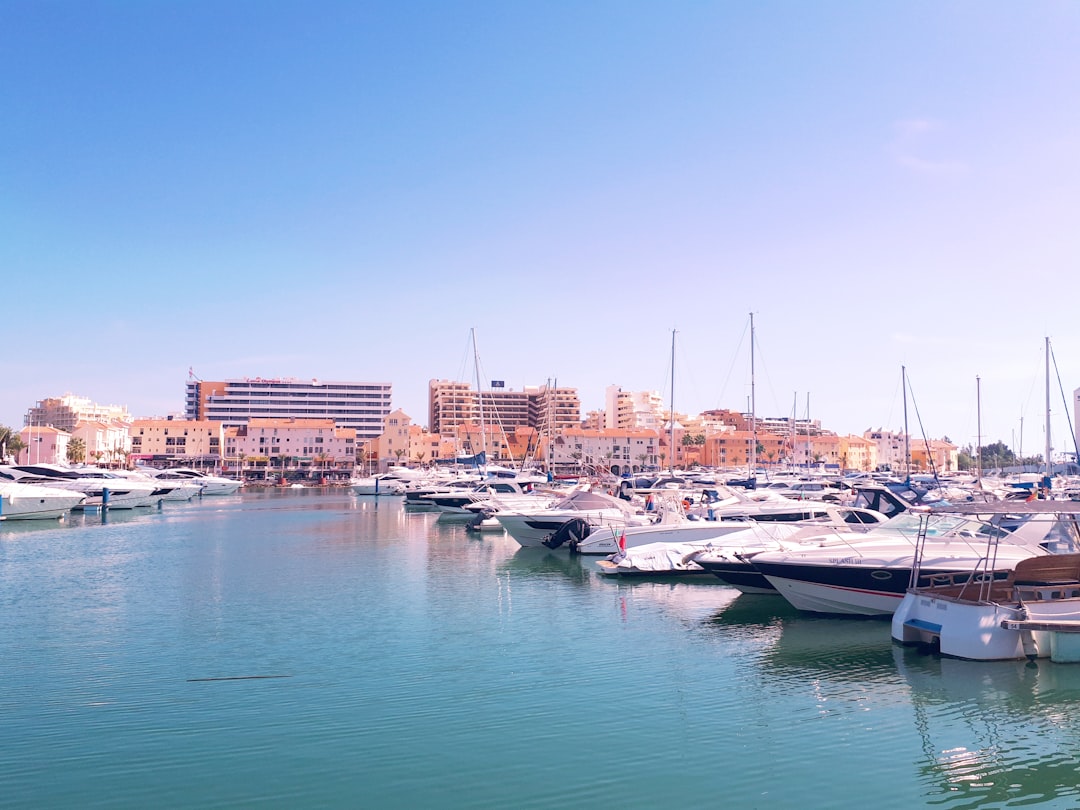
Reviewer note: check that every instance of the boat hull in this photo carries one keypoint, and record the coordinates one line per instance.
(740, 574)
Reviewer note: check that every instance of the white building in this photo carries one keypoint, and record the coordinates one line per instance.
(633, 409)
(892, 448)
(67, 411)
(362, 406)
(295, 445)
(106, 443)
(615, 450)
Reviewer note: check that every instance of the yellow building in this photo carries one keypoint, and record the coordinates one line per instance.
(175, 439)
(858, 453)
(731, 448)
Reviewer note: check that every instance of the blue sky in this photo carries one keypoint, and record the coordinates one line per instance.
(344, 190)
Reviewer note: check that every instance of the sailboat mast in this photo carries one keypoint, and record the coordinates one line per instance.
(671, 414)
(809, 446)
(794, 434)
(753, 406)
(479, 395)
(907, 439)
(978, 429)
(1049, 465)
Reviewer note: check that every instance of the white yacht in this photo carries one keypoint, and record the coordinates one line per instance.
(869, 576)
(727, 554)
(171, 490)
(100, 490)
(211, 484)
(30, 501)
(566, 522)
(383, 484)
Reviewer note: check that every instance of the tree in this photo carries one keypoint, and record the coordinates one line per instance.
(76, 451)
(10, 442)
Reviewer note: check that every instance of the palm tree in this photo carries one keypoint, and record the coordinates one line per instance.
(10, 442)
(76, 451)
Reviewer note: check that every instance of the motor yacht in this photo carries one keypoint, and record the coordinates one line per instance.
(582, 509)
(868, 575)
(210, 484)
(101, 489)
(35, 501)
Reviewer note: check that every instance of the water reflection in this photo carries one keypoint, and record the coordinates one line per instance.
(998, 732)
(544, 562)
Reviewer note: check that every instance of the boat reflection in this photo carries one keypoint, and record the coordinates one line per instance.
(544, 562)
(994, 733)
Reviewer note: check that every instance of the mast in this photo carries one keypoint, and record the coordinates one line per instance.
(479, 395)
(907, 440)
(978, 428)
(1048, 475)
(671, 413)
(794, 433)
(809, 445)
(753, 406)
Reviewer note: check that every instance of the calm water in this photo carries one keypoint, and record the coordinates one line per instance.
(314, 649)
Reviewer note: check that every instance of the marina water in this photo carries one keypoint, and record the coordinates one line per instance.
(311, 648)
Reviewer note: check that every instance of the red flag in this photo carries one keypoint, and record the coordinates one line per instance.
(622, 541)
(1034, 494)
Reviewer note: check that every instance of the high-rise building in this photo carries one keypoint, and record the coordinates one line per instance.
(362, 406)
(65, 412)
(626, 410)
(548, 409)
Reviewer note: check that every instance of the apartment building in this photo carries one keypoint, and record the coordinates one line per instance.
(615, 450)
(362, 406)
(180, 440)
(65, 412)
(546, 408)
(291, 446)
(633, 409)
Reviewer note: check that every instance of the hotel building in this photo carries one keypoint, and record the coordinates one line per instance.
(362, 406)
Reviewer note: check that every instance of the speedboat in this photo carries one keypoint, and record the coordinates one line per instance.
(377, 485)
(868, 574)
(565, 522)
(28, 501)
(499, 494)
(211, 484)
(727, 553)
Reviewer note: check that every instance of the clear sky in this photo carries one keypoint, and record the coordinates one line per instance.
(344, 190)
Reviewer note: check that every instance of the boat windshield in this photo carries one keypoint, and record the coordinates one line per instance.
(944, 525)
(586, 501)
